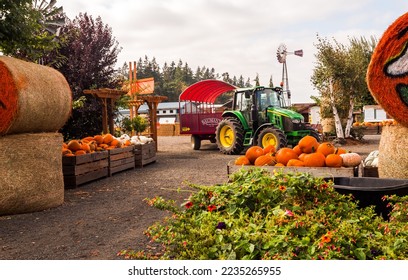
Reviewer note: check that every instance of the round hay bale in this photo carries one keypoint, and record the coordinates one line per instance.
(33, 98)
(393, 152)
(387, 72)
(31, 176)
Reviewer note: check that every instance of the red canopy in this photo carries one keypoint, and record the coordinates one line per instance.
(205, 91)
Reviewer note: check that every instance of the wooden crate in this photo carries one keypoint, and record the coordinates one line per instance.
(325, 172)
(81, 169)
(121, 159)
(370, 171)
(145, 154)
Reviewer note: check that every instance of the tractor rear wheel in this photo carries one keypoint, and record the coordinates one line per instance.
(315, 134)
(230, 136)
(272, 136)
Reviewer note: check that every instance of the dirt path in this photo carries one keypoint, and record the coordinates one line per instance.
(99, 219)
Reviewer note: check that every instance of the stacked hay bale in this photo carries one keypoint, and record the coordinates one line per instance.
(35, 102)
(387, 78)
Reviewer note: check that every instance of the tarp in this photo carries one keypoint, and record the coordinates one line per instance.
(205, 91)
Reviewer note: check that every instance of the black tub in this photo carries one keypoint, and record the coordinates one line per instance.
(369, 190)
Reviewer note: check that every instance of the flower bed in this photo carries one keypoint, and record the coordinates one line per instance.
(262, 215)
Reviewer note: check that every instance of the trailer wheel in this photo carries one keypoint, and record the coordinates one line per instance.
(195, 142)
(230, 136)
(272, 136)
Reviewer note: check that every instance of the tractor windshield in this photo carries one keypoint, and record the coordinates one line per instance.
(268, 97)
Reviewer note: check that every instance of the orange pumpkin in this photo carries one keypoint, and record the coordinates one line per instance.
(326, 148)
(98, 139)
(334, 160)
(315, 160)
(302, 156)
(107, 138)
(308, 144)
(253, 153)
(295, 162)
(242, 160)
(116, 143)
(74, 145)
(340, 151)
(283, 155)
(297, 150)
(80, 152)
(279, 164)
(86, 147)
(66, 151)
(270, 149)
(264, 160)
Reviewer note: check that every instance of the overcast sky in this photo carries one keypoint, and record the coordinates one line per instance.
(238, 36)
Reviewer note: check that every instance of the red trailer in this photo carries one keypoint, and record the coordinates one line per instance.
(199, 116)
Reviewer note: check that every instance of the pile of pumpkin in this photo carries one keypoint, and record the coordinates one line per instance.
(371, 124)
(308, 153)
(92, 144)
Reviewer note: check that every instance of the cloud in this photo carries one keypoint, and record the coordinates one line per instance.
(237, 36)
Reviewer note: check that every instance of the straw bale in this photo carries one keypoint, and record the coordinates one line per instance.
(386, 74)
(31, 176)
(393, 152)
(33, 98)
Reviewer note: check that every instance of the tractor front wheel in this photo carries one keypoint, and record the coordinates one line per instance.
(230, 136)
(272, 136)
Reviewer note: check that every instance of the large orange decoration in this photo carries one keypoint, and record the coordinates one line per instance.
(387, 74)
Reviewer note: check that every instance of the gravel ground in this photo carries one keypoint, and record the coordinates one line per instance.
(100, 218)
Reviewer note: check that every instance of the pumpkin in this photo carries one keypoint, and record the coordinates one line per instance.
(295, 162)
(297, 150)
(74, 145)
(326, 148)
(308, 144)
(270, 149)
(283, 155)
(242, 160)
(253, 153)
(107, 138)
(66, 151)
(340, 151)
(302, 156)
(351, 159)
(279, 164)
(116, 143)
(80, 152)
(315, 160)
(264, 160)
(334, 160)
(98, 139)
(85, 147)
(87, 139)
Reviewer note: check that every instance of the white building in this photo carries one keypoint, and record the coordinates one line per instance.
(167, 112)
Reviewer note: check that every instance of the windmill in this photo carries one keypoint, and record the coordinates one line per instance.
(281, 54)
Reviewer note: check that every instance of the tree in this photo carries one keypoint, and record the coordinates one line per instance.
(86, 68)
(29, 29)
(339, 76)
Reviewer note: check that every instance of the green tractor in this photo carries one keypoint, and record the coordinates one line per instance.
(258, 118)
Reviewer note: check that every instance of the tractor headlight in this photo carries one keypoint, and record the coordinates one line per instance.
(296, 121)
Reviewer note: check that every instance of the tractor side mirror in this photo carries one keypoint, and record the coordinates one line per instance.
(247, 94)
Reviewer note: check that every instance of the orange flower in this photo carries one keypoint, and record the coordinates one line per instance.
(211, 207)
(327, 237)
(282, 188)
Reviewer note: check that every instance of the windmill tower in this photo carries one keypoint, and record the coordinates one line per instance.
(281, 54)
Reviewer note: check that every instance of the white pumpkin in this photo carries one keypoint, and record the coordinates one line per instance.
(351, 159)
